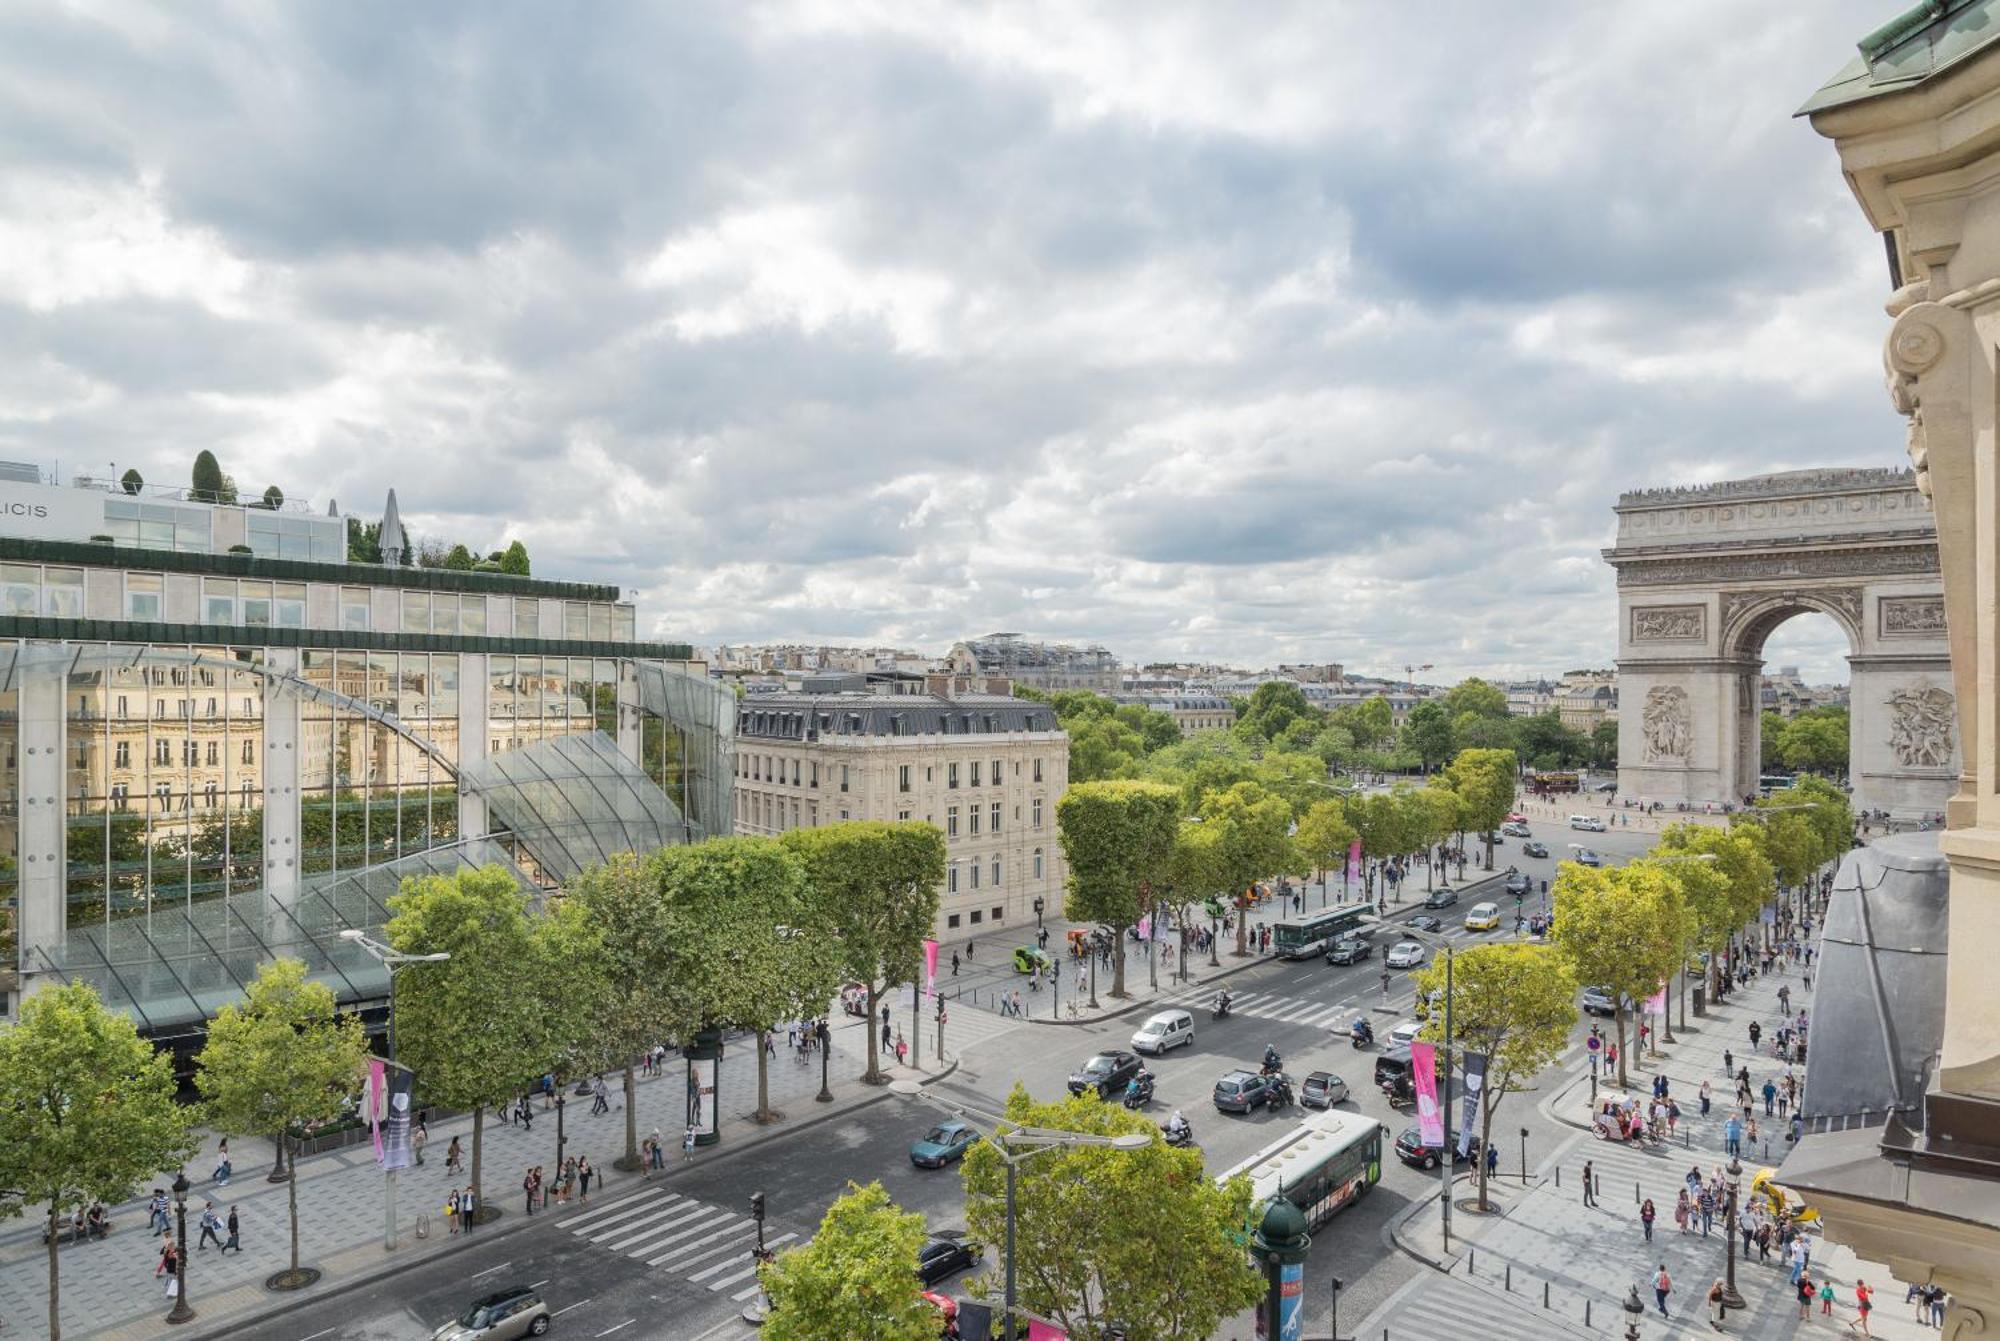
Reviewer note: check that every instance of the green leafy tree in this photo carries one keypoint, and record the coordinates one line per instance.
(364, 541)
(1437, 814)
(1473, 731)
(1156, 729)
(1297, 776)
(1118, 842)
(1805, 826)
(853, 1279)
(207, 478)
(1476, 697)
(581, 1000)
(1427, 732)
(469, 1027)
(86, 1112)
(283, 1058)
(1516, 1004)
(1256, 843)
(131, 481)
(1604, 745)
(1771, 729)
(621, 903)
(1213, 761)
(792, 964)
(1324, 835)
(459, 559)
(1272, 708)
(1371, 723)
(879, 883)
(1721, 895)
(1383, 823)
(274, 497)
(514, 559)
(1101, 748)
(1546, 743)
(1484, 781)
(1077, 1258)
(1619, 928)
(1816, 741)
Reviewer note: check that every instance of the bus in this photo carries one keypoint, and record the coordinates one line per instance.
(1550, 784)
(1326, 1163)
(1309, 934)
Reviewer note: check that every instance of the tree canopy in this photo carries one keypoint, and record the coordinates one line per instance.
(1619, 928)
(1118, 841)
(853, 1279)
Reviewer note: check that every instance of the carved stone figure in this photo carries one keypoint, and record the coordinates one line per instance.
(1912, 616)
(1667, 623)
(1920, 726)
(1665, 723)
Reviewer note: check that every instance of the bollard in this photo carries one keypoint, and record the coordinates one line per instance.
(1509, 1286)
(1687, 1139)
(1471, 1262)
(1559, 1175)
(1545, 1294)
(1586, 1312)
(1636, 1198)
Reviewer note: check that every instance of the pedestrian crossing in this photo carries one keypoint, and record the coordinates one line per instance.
(1435, 1305)
(1272, 1006)
(682, 1236)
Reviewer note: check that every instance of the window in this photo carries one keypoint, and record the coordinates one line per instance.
(951, 919)
(903, 779)
(208, 796)
(142, 596)
(121, 796)
(62, 593)
(576, 620)
(1037, 813)
(843, 777)
(951, 776)
(124, 710)
(218, 601)
(416, 612)
(256, 604)
(214, 754)
(190, 752)
(354, 609)
(795, 772)
(164, 794)
(812, 775)
(1038, 863)
(998, 914)
(756, 768)
(975, 874)
(843, 812)
(975, 773)
(163, 751)
(1038, 770)
(291, 605)
(972, 819)
(902, 814)
(122, 756)
(995, 826)
(472, 616)
(527, 619)
(996, 875)
(249, 751)
(996, 773)
(20, 589)
(444, 613)
(951, 821)
(975, 917)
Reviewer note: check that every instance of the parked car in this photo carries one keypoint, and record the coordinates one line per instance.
(1534, 850)
(1600, 1001)
(1322, 1089)
(1516, 817)
(1405, 954)
(1584, 856)
(944, 1252)
(1518, 883)
(1410, 1148)
(1107, 1073)
(1242, 1092)
(1348, 950)
(1167, 1029)
(941, 1145)
(1405, 1033)
(1516, 829)
(1483, 917)
(1425, 922)
(1441, 898)
(499, 1316)
(1588, 823)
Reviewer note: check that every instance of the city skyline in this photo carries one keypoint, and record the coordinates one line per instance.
(1268, 354)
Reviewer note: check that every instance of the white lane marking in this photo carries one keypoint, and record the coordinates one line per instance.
(316, 1335)
(536, 1284)
(706, 1272)
(706, 1230)
(489, 1271)
(741, 1273)
(705, 1251)
(619, 1328)
(672, 1210)
(567, 1307)
(651, 1240)
(741, 1295)
(602, 1207)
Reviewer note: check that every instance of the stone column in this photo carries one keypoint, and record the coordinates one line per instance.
(43, 842)
(281, 778)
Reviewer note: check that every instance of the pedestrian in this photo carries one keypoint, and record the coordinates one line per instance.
(1683, 1212)
(419, 1133)
(527, 1189)
(451, 1214)
(1756, 1033)
(659, 1150)
(1589, 1185)
(1798, 1256)
(1716, 1307)
(1864, 1302)
(1492, 1160)
(170, 1263)
(1706, 1098)
(954, 963)
(211, 1227)
(1646, 1215)
(583, 1172)
(222, 1165)
(454, 1158)
(526, 1114)
(1663, 1285)
(1728, 1062)
(1673, 1116)
(1826, 1298)
(687, 1146)
(234, 1243)
(1732, 1135)
(157, 1218)
(1805, 1293)
(468, 1205)
(1770, 1095)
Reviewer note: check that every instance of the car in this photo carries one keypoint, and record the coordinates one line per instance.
(1599, 1001)
(1483, 917)
(1405, 954)
(499, 1316)
(1107, 1073)
(1028, 958)
(1410, 1148)
(1588, 823)
(1516, 829)
(1242, 1092)
(1167, 1029)
(1518, 883)
(1516, 817)
(1584, 856)
(944, 1252)
(941, 1145)
(1441, 898)
(1322, 1089)
(1534, 850)
(1605, 787)
(1405, 1033)
(1348, 950)
(1425, 922)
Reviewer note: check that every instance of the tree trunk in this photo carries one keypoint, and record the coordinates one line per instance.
(631, 1160)
(764, 1113)
(291, 1203)
(1118, 961)
(478, 1150)
(1684, 996)
(55, 1289)
(873, 1075)
(1618, 1019)
(1485, 1142)
(1243, 928)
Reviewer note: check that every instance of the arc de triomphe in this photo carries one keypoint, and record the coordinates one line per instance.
(1705, 574)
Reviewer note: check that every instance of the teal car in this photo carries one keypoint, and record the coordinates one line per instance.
(941, 1145)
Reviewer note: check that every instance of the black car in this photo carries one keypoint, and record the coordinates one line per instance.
(1441, 898)
(1534, 850)
(1425, 922)
(1243, 1092)
(1410, 1148)
(1348, 950)
(944, 1253)
(1518, 884)
(1107, 1073)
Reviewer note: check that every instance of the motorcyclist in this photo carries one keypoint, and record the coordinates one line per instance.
(1177, 1126)
(1222, 1002)
(1362, 1030)
(1140, 1085)
(1271, 1063)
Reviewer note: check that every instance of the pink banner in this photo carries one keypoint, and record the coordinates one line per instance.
(1354, 860)
(375, 1102)
(1146, 927)
(1045, 1331)
(930, 966)
(1656, 1004)
(1423, 1068)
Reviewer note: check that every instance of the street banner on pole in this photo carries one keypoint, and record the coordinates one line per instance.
(375, 1102)
(1353, 872)
(1423, 1073)
(1656, 1004)
(930, 967)
(396, 1127)
(1475, 1082)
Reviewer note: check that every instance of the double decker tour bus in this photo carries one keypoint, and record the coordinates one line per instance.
(1309, 934)
(1324, 1164)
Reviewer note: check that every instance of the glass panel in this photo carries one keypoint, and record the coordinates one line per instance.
(256, 605)
(444, 613)
(20, 590)
(291, 605)
(527, 619)
(472, 615)
(354, 609)
(600, 623)
(576, 620)
(62, 592)
(218, 601)
(416, 612)
(623, 620)
(142, 596)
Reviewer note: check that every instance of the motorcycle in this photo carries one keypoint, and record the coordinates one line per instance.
(1281, 1093)
(1361, 1035)
(1177, 1139)
(1220, 1010)
(1140, 1092)
(1272, 1067)
(1400, 1093)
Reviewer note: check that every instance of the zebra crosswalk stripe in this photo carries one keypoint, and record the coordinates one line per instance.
(626, 1222)
(653, 1239)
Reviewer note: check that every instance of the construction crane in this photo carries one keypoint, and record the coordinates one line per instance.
(1409, 673)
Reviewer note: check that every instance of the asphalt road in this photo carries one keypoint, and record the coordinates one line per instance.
(672, 1259)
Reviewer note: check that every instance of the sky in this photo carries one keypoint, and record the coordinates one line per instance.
(1282, 333)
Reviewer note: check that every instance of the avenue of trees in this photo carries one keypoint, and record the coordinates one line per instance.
(1813, 741)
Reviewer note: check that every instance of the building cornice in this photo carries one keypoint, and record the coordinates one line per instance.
(42, 628)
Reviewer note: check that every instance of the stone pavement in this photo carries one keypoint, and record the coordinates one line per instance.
(1542, 1244)
(108, 1288)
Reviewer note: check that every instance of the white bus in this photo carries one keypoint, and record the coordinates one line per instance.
(1322, 1165)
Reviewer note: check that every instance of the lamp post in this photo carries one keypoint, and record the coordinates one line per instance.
(1016, 1145)
(1038, 912)
(1634, 1310)
(181, 1312)
(1524, 1157)
(1444, 1087)
(1730, 1297)
(1333, 1327)
(825, 1094)
(392, 959)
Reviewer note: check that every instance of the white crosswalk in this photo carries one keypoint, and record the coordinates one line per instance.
(691, 1239)
(1274, 1007)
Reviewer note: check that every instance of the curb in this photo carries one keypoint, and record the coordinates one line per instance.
(344, 1284)
(1226, 971)
(1392, 1233)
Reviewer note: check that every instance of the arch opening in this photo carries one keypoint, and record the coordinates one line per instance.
(1804, 682)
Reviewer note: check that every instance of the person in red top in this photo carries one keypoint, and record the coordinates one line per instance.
(1864, 1300)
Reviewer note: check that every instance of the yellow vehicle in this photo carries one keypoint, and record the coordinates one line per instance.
(1765, 1188)
(1483, 917)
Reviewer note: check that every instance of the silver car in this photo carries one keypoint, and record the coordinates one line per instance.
(500, 1316)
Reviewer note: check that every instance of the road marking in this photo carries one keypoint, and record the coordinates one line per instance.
(706, 1229)
(742, 1295)
(536, 1284)
(651, 1240)
(314, 1337)
(567, 1307)
(723, 1265)
(667, 1210)
(489, 1271)
(605, 1206)
(705, 1251)
(619, 1328)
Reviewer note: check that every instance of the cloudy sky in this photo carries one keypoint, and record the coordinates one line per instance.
(1251, 333)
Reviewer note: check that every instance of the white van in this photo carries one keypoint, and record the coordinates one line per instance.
(1168, 1029)
(1589, 822)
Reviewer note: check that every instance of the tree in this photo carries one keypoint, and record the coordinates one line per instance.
(1816, 741)
(86, 1112)
(1514, 1003)
(1476, 697)
(1484, 781)
(1770, 729)
(459, 559)
(1156, 729)
(207, 481)
(1102, 748)
(1604, 745)
(1427, 731)
(1272, 708)
(853, 1278)
(1721, 895)
(131, 481)
(1805, 826)
(1325, 835)
(1438, 813)
(1077, 1258)
(621, 902)
(515, 559)
(879, 884)
(283, 1058)
(1383, 823)
(274, 497)
(364, 541)
(790, 963)
(1618, 928)
(1298, 777)
(1118, 841)
(468, 1027)
(1474, 732)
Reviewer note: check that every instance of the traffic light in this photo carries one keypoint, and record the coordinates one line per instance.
(757, 1207)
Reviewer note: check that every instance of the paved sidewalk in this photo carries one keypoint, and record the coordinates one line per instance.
(1543, 1238)
(108, 1287)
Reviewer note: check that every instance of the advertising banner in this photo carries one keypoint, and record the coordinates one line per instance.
(1475, 1085)
(1423, 1065)
(1146, 927)
(375, 1103)
(1353, 873)
(396, 1126)
(1656, 1004)
(1045, 1331)
(930, 967)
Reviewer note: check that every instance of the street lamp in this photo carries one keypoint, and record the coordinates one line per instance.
(1016, 1145)
(392, 959)
(1634, 1310)
(1333, 1328)
(825, 1034)
(1730, 1297)
(181, 1312)
(1038, 912)
(1524, 1157)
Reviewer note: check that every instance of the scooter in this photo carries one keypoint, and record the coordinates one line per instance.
(1220, 1010)
(1361, 1035)
(1180, 1139)
(1281, 1093)
(1140, 1092)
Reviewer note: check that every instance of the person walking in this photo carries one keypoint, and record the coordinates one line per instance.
(454, 1158)
(1683, 1212)
(1826, 1298)
(1589, 1185)
(1663, 1285)
(419, 1134)
(156, 1219)
(234, 1244)
(954, 963)
(1716, 1308)
(1770, 1095)
(1864, 1302)
(527, 1189)
(687, 1146)
(1732, 1135)
(222, 1165)
(211, 1227)
(1707, 1097)
(1646, 1215)
(1805, 1293)
(583, 1172)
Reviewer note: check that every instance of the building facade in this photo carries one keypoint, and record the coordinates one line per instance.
(1191, 712)
(1045, 666)
(985, 769)
(198, 741)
